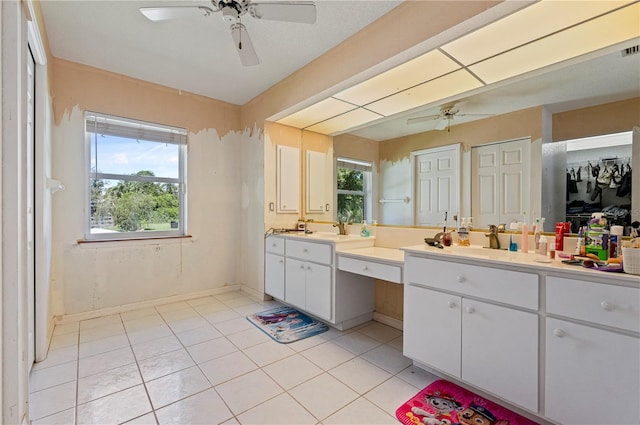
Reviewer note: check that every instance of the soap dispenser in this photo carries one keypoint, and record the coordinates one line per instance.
(364, 230)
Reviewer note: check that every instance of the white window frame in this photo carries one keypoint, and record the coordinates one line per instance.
(367, 184)
(157, 133)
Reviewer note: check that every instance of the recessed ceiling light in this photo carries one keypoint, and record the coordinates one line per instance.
(315, 113)
(423, 68)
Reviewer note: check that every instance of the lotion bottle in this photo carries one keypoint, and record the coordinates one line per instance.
(525, 235)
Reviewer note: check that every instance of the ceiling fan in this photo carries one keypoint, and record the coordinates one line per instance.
(446, 115)
(232, 12)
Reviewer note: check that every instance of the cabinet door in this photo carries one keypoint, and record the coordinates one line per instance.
(318, 291)
(315, 182)
(592, 375)
(274, 275)
(500, 351)
(432, 328)
(288, 179)
(295, 283)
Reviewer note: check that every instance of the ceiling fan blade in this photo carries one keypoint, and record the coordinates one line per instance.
(442, 124)
(241, 39)
(303, 12)
(422, 119)
(175, 12)
(475, 115)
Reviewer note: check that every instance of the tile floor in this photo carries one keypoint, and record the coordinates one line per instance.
(201, 362)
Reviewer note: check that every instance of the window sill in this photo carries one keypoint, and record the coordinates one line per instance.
(149, 238)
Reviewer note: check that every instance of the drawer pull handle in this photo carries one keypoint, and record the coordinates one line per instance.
(281, 261)
(470, 310)
(461, 279)
(451, 304)
(606, 305)
(559, 333)
(309, 268)
(302, 267)
(305, 250)
(365, 268)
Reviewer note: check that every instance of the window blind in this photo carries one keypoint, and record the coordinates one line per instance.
(353, 164)
(120, 127)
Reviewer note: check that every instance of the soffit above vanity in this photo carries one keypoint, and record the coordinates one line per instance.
(563, 31)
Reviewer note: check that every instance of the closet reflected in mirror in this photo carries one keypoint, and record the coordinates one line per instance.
(598, 174)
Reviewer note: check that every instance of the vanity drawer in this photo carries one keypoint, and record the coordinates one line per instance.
(310, 251)
(510, 287)
(371, 268)
(275, 245)
(611, 305)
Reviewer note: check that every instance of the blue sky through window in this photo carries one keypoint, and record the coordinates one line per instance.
(117, 155)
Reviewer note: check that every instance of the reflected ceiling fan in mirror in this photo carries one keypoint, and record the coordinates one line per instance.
(232, 11)
(446, 115)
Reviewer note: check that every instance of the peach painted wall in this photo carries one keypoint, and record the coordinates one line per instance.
(614, 117)
(224, 184)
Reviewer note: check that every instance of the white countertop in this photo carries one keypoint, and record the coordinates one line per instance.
(388, 255)
(522, 261)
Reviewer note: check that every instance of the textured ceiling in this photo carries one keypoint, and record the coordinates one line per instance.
(197, 54)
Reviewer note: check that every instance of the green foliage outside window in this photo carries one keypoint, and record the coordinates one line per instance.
(350, 185)
(131, 206)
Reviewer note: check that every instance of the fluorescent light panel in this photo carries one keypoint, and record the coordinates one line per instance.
(531, 23)
(318, 112)
(607, 30)
(423, 68)
(449, 85)
(345, 121)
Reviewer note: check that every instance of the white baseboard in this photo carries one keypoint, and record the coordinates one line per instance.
(254, 293)
(387, 320)
(85, 315)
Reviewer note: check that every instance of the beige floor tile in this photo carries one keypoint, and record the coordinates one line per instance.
(323, 395)
(417, 377)
(52, 400)
(360, 375)
(360, 412)
(268, 352)
(282, 409)
(227, 367)
(292, 371)
(155, 347)
(356, 342)
(196, 336)
(51, 376)
(234, 325)
(328, 355)
(205, 408)
(105, 361)
(164, 364)
(176, 386)
(248, 338)
(66, 417)
(380, 331)
(108, 382)
(115, 408)
(247, 391)
(210, 350)
(387, 358)
(391, 394)
(57, 357)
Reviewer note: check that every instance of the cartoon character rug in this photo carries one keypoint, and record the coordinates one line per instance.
(285, 324)
(444, 403)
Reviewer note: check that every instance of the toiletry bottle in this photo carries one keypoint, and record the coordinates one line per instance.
(580, 242)
(364, 230)
(536, 235)
(525, 238)
(542, 246)
(374, 228)
(463, 234)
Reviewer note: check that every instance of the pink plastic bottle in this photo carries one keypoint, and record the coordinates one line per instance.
(525, 238)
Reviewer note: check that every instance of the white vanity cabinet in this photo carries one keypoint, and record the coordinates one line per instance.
(274, 267)
(592, 352)
(309, 287)
(452, 324)
(312, 283)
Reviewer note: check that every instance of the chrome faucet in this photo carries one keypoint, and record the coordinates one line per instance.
(341, 229)
(494, 242)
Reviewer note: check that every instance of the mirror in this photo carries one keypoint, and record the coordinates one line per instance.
(589, 97)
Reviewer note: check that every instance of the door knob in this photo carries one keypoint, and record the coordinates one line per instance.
(461, 279)
(451, 304)
(470, 310)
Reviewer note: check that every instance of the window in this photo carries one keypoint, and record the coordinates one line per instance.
(136, 178)
(354, 190)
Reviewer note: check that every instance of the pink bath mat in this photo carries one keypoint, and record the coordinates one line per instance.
(444, 403)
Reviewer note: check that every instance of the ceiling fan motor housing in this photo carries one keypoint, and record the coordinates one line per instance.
(232, 9)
